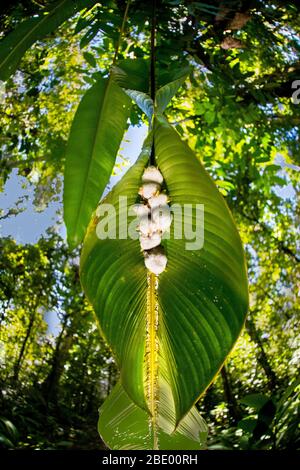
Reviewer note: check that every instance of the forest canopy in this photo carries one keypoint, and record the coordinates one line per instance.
(237, 106)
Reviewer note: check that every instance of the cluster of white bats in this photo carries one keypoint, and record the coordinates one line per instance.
(154, 218)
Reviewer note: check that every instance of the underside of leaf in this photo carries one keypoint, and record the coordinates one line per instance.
(124, 426)
(170, 334)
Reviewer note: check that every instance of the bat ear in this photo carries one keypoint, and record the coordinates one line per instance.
(156, 260)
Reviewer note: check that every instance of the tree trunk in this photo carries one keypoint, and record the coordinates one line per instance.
(64, 343)
(233, 406)
(18, 363)
(84, 396)
(261, 355)
(60, 355)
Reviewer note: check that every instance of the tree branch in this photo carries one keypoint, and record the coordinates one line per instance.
(280, 244)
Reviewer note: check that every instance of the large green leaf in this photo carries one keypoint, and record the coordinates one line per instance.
(204, 293)
(144, 102)
(94, 140)
(166, 93)
(181, 333)
(115, 280)
(133, 76)
(124, 426)
(163, 97)
(16, 43)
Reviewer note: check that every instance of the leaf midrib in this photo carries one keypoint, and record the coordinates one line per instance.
(152, 352)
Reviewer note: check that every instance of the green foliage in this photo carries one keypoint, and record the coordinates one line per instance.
(94, 140)
(235, 112)
(8, 434)
(166, 93)
(114, 277)
(272, 422)
(45, 406)
(14, 46)
(123, 425)
(132, 74)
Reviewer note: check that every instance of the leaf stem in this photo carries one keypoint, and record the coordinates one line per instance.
(152, 52)
(152, 69)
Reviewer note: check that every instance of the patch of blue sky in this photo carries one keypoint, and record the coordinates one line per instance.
(30, 225)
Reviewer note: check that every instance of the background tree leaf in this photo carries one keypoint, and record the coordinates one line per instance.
(16, 43)
(166, 93)
(90, 58)
(255, 400)
(132, 74)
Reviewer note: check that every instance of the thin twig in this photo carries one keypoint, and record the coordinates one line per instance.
(122, 29)
(280, 244)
